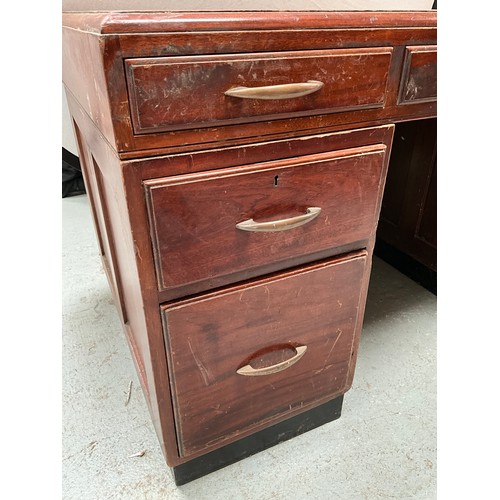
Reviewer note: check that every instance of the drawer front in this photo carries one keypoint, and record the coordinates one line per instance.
(172, 93)
(197, 220)
(253, 354)
(419, 76)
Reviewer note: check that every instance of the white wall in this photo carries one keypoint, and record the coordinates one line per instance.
(203, 5)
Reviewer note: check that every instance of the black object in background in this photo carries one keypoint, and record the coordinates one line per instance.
(72, 178)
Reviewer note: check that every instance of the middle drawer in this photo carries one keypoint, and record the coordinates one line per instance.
(227, 225)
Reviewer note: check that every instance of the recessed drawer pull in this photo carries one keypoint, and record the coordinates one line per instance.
(286, 91)
(280, 225)
(249, 371)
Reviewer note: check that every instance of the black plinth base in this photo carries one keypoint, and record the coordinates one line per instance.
(259, 441)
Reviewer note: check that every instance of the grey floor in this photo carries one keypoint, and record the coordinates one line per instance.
(383, 446)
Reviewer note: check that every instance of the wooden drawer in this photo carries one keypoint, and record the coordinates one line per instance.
(231, 353)
(419, 76)
(180, 158)
(173, 93)
(197, 220)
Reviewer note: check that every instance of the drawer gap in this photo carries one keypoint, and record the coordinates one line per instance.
(262, 279)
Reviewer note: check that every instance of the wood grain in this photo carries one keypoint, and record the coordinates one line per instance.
(419, 76)
(208, 339)
(295, 144)
(190, 92)
(194, 175)
(237, 33)
(193, 217)
(133, 263)
(137, 22)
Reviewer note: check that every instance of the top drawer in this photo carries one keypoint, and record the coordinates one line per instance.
(419, 75)
(174, 93)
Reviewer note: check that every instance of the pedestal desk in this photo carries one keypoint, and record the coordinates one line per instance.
(235, 165)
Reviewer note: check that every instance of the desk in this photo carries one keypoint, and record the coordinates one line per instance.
(235, 164)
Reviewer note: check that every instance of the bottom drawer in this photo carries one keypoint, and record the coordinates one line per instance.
(254, 353)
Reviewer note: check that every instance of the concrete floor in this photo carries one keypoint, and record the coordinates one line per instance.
(383, 446)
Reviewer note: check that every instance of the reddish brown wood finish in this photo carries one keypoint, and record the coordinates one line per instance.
(118, 164)
(134, 265)
(419, 76)
(296, 144)
(237, 33)
(189, 92)
(84, 77)
(193, 217)
(408, 216)
(255, 153)
(145, 22)
(209, 339)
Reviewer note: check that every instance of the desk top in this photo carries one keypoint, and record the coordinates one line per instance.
(119, 22)
(376, 68)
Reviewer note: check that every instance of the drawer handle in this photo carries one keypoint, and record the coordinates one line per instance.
(281, 224)
(249, 371)
(286, 91)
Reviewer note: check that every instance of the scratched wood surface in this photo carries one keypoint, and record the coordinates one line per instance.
(153, 35)
(419, 75)
(118, 161)
(128, 260)
(144, 22)
(137, 172)
(176, 93)
(193, 217)
(209, 339)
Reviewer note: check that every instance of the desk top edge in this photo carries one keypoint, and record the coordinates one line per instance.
(128, 22)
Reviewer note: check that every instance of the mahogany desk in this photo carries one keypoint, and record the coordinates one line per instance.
(235, 164)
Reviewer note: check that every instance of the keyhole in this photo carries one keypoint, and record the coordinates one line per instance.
(276, 180)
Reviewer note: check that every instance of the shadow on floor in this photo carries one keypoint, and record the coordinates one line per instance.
(391, 293)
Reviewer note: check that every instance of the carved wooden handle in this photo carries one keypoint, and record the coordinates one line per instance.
(286, 91)
(281, 224)
(249, 371)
